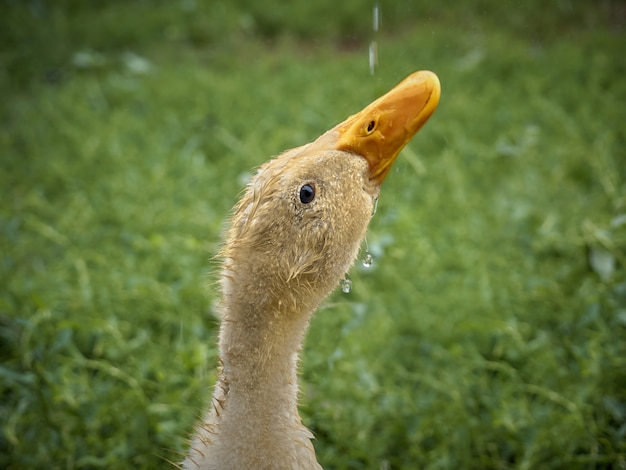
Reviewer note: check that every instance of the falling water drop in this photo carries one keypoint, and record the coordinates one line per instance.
(376, 17)
(368, 260)
(346, 285)
(373, 54)
(373, 50)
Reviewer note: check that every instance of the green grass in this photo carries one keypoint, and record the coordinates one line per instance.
(490, 332)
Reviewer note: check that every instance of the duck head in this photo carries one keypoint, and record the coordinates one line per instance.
(299, 225)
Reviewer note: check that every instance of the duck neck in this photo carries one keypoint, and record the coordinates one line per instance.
(259, 353)
(259, 347)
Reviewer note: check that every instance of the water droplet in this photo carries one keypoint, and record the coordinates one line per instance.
(373, 51)
(346, 285)
(376, 17)
(367, 261)
(375, 206)
(373, 55)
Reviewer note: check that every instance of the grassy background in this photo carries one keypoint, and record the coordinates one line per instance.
(490, 332)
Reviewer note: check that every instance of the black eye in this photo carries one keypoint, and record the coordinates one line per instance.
(307, 193)
(370, 126)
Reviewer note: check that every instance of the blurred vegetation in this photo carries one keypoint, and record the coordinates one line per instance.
(490, 332)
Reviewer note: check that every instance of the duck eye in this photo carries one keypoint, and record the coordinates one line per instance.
(371, 126)
(307, 193)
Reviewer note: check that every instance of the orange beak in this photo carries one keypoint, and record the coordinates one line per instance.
(385, 126)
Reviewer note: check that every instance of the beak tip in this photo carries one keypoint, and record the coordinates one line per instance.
(431, 81)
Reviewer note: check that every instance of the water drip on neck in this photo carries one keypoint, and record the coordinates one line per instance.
(375, 208)
(346, 285)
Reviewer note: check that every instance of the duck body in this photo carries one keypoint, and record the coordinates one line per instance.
(293, 235)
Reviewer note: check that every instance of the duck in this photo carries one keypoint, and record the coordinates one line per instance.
(292, 237)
